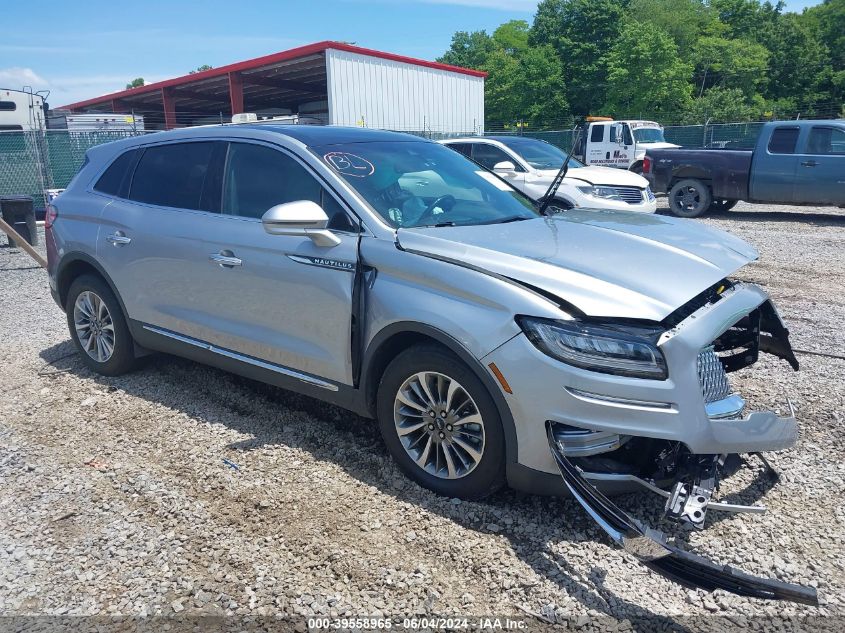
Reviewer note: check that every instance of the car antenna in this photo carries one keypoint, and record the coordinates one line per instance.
(561, 174)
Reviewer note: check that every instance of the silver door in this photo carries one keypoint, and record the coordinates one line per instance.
(278, 298)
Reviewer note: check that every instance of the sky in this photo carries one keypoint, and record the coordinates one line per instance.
(83, 50)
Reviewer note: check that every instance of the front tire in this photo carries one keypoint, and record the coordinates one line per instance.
(98, 327)
(690, 198)
(440, 424)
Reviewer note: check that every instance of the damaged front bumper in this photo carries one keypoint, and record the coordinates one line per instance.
(653, 550)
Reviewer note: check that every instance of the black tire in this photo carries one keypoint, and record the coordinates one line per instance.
(488, 475)
(637, 168)
(721, 205)
(122, 358)
(690, 198)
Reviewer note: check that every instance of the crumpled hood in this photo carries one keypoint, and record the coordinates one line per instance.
(598, 176)
(605, 263)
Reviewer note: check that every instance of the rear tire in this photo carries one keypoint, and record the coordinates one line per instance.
(690, 198)
(98, 327)
(461, 454)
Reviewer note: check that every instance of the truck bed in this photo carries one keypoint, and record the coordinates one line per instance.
(726, 170)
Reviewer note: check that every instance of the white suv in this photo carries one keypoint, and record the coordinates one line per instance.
(530, 165)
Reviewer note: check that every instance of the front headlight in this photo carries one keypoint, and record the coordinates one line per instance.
(607, 193)
(609, 349)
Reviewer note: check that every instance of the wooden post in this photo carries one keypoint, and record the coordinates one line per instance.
(19, 241)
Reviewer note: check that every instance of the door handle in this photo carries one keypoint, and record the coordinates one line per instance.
(809, 163)
(119, 239)
(225, 261)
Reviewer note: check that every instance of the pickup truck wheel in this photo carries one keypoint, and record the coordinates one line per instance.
(689, 198)
(721, 205)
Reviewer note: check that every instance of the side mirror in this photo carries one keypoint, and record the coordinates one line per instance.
(301, 218)
(505, 167)
(620, 138)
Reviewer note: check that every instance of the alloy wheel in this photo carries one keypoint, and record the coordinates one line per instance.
(688, 198)
(439, 425)
(94, 326)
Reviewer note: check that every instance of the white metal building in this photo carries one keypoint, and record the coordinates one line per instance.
(336, 82)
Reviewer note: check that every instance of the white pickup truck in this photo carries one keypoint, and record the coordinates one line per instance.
(620, 144)
(530, 165)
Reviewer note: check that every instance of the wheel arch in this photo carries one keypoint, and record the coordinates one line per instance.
(397, 337)
(691, 173)
(75, 264)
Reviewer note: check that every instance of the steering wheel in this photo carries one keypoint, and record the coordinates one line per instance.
(444, 202)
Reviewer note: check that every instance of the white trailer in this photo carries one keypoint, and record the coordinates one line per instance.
(21, 110)
(94, 122)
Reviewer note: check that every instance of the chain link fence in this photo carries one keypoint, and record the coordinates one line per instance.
(34, 161)
(712, 135)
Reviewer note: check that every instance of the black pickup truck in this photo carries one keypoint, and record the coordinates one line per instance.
(794, 162)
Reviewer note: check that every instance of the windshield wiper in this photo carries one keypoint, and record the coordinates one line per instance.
(561, 174)
(515, 218)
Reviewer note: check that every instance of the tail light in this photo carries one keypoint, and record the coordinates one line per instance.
(646, 165)
(50, 216)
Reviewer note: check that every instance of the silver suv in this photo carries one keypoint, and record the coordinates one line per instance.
(394, 277)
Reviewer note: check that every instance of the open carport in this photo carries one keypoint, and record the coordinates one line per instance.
(338, 83)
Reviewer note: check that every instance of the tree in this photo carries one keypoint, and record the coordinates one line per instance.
(744, 18)
(468, 50)
(683, 20)
(135, 83)
(796, 58)
(512, 37)
(200, 69)
(645, 74)
(581, 31)
(720, 105)
(730, 63)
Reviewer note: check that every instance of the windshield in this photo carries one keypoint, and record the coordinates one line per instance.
(649, 135)
(417, 183)
(539, 154)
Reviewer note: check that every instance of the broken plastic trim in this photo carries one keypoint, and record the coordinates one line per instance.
(652, 549)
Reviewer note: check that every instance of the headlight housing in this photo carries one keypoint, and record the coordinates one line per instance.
(622, 350)
(606, 193)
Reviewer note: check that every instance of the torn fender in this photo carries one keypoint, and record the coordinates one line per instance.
(652, 549)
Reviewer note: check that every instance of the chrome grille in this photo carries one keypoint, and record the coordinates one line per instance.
(711, 376)
(631, 195)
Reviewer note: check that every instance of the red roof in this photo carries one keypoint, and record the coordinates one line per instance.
(293, 53)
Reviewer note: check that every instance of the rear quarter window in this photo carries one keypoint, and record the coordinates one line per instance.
(115, 180)
(783, 140)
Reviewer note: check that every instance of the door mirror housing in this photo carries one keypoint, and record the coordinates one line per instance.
(505, 167)
(620, 133)
(302, 218)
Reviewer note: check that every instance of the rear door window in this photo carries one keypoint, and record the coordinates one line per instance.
(462, 148)
(597, 134)
(173, 175)
(489, 155)
(115, 180)
(783, 140)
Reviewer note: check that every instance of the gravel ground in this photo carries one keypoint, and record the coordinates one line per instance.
(180, 489)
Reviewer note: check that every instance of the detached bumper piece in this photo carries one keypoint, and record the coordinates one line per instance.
(652, 549)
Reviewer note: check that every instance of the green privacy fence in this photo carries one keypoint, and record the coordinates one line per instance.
(35, 161)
